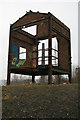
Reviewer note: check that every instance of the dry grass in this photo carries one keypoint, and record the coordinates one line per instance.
(40, 101)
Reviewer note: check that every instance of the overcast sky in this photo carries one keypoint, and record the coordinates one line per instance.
(11, 10)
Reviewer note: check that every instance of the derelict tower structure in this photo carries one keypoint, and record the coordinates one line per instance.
(47, 27)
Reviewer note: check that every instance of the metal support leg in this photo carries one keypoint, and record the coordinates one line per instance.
(8, 78)
(50, 51)
(33, 79)
(50, 75)
(58, 77)
(69, 78)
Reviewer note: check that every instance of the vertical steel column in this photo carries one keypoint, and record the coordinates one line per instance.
(37, 53)
(50, 51)
(8, 69)
(69, 76)
(43, 54)
(33, 78)
(8, 78)
(70, 59)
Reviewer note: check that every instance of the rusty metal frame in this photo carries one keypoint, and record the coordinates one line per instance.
(47, 69)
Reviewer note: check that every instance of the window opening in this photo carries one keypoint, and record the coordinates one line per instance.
(40, 52)
(31, 29)
(22, 52)
(55, 52)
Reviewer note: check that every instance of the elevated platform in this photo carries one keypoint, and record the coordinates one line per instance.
(40, 70)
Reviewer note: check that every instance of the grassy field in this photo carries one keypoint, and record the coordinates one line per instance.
(40, 101)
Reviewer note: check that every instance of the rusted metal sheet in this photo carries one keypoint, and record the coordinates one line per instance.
(63, 53)
(42, 30)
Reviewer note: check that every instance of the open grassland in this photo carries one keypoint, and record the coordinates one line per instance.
(40, 101)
